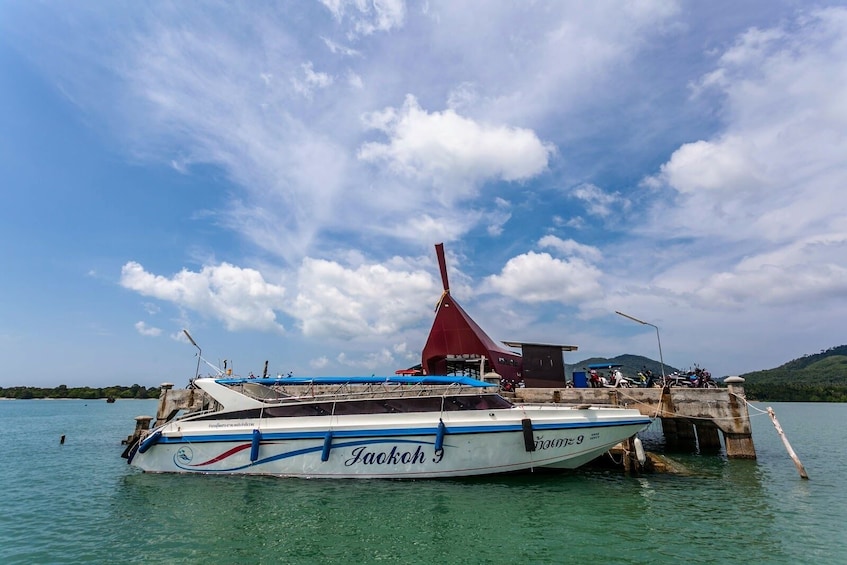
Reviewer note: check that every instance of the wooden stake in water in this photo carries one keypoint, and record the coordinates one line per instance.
(797, 463)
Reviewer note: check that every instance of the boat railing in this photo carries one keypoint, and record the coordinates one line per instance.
(311, 392)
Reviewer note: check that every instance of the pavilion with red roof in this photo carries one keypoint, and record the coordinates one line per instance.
(457, 345)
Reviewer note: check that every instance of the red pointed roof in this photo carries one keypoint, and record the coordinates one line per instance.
(455, 334)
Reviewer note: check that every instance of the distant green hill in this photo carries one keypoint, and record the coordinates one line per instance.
(825, 368)
(819, 377)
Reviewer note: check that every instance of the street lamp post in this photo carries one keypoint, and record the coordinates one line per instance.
(199, 351)
(661, 360)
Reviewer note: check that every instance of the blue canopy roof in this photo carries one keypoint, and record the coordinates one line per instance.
(604, 365)
(391, 379)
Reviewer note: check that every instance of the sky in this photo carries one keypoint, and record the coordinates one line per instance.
(274, 176)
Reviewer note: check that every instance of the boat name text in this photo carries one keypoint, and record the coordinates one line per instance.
(542, 444)
(363, 455)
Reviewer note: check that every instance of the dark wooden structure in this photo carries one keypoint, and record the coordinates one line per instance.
(543, 364)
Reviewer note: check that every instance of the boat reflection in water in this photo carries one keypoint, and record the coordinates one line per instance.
(374, 427)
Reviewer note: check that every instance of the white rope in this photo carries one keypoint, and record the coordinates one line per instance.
(686, 416)
(759, 410)
(612, 457)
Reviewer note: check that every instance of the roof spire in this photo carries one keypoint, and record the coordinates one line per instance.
(442, 264)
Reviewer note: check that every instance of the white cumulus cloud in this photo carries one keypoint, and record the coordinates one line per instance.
(451, 150)
(371, 299)
(569, 247)
(239, 297)
(777, 171)
(539, 277)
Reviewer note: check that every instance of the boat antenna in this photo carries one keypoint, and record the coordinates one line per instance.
(199, 351)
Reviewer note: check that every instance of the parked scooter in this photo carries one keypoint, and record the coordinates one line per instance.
(647, 378)
(620, 381)
(678, 379)
(701, 378)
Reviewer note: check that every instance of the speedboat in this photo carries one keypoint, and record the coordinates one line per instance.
(396, 427)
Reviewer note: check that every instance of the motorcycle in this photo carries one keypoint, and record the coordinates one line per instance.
(619, 381)
(678, 379)
(647, 379)
(702, 378)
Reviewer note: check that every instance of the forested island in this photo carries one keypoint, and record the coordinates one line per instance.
(82, 392)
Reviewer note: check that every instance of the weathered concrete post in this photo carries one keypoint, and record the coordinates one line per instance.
(669, 431)
(492, 377)
(679, 434)
(739, 440)
(172, 401)
(685, 435)
(142, 423)
(163, 410)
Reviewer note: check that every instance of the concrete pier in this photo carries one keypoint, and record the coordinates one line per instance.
(691, 417)
(172, 401)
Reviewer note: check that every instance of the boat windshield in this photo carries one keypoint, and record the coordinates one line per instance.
(316, 407)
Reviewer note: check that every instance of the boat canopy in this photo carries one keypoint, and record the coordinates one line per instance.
(390, 379)
(604, 366)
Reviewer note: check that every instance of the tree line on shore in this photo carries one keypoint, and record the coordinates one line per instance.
(82, 392)
(795, 392)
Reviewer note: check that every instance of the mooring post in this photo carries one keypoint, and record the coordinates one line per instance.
(625, 458)
(164, 409)
(142, 423)
(739, 441)
(800, 468)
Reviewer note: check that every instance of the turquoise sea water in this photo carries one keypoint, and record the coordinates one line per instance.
(81, 503)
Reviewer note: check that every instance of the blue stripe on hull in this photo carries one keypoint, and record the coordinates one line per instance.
(298, 452)
(454, 430)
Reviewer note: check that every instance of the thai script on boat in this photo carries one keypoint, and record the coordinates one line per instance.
(542, 444)
(364, 456)
(241, 424)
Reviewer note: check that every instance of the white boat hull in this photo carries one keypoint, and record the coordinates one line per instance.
(408, 445)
